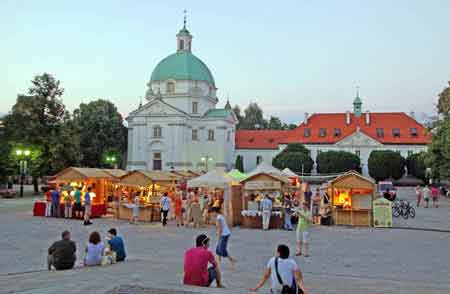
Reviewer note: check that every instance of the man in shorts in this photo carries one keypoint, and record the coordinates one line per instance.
(304, 223)
(196, 261)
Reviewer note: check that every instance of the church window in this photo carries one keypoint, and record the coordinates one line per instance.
(194, 107)
(210, 135)
(396, 132)
(306, 132)
(194, 135)
(337, 132)
(322, 132)
(380, 132)
(413, 132)
(181, 45)
(170, 87)
(157, 132)
(259, 159)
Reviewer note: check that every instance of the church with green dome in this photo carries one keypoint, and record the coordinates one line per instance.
(179, 127)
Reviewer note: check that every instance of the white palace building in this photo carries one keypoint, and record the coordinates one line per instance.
(180, 128)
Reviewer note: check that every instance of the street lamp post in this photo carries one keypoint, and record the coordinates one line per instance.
(23, 156)
(205, 160)
(112, 161)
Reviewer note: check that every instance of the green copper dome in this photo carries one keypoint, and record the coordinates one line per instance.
(182, 65)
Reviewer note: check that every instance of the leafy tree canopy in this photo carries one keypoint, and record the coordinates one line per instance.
(443, 105)
(438, 155)
(416, 165)
(386, 164)
(337, 162)
(294, 156)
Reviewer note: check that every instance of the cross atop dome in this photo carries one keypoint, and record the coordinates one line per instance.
(184, 37)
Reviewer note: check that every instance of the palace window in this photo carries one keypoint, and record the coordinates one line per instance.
(322, 132)
(413, 132)
(210, 135)
(396, 132)
(337, 132)
(306, 132)
(259, 159)
(170, 87)
(380, 132)
(157, 132)
(194, 135)
(194, 107)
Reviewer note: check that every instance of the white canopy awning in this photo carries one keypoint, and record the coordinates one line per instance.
(288, 173)
(214, 178)
(265, 168)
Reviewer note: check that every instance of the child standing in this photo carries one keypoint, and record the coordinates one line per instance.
(304, 223)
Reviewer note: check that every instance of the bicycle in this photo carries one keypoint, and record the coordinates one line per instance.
(403, 208)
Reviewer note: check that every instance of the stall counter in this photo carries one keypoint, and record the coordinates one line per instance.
(147, 212)
(97, 210)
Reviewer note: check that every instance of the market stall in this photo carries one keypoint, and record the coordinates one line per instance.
(217, 179)
(101, 182)
(351, 198)
(255, 187)
(149, 186)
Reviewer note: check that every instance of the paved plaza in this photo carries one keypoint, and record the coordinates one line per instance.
(344, 260)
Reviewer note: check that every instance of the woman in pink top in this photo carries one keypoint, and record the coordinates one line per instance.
(435, 196)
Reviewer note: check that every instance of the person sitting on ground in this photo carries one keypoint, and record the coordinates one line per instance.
(196, 260)
(284, 273)
(94, 250)
(61, 255)
(117, 245)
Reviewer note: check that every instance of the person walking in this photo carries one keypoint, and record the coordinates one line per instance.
(94, 250)
(287, 206)
(67, 197)
(435, 196)
(426, 195)
(48, 204)
(165, 207)
(224, 233)
(135, 216)
(316, 200)
(61, 254)
(87, 207)
(418, 191)
(284, 272)
(196, 261)
(55, 202)
(77, 207)
(179, 209)
(266, 207)
(302, 234)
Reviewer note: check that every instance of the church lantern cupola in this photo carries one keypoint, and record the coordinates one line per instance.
(184, 38)
(357, 104)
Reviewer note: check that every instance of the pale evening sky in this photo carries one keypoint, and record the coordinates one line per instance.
(289, 56)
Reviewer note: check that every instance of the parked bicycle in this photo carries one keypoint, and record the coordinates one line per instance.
(403, 208)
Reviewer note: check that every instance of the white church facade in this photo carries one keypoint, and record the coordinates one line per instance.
(180, 128)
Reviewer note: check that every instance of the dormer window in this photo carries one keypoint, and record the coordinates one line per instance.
(170, 87)
(322, 132)
(306, 132)
(396, 132)
(380, 132)
(337, 132)
(413, 132)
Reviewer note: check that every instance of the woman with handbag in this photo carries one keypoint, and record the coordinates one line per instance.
(286, 276)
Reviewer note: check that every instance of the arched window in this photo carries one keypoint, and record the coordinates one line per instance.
(259, 159)
(157, 132)
(181, 44)
(170, 87)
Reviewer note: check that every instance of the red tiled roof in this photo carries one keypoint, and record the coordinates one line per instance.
(263, 139)
(329, 121)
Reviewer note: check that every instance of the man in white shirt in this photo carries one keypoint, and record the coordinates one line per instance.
(282, 269)
(224, 235)
(165, 207)
(266, 207)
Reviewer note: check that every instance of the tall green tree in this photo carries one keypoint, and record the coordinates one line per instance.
(101, 130)
(438, 155)
(443, 106)
(253, 118)
(237, 112)
(275, 123)
(386, 164)
(295, 157)
(239, 164)
(36, 118)
(337, 162)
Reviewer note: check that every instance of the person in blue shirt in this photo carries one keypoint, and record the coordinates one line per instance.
(55, 202)
(117, 245)
(87, 207)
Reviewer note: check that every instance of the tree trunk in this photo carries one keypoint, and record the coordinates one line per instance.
(36, 185)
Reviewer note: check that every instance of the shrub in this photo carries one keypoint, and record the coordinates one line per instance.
(385, 164)
(337, 162)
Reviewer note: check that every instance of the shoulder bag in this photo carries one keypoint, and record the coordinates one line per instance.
(285, 288)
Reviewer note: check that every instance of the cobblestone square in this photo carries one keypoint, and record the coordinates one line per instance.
(344, 260)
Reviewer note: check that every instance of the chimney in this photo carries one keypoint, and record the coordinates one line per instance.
(367, 117)
(305, 120)
(347, 118)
